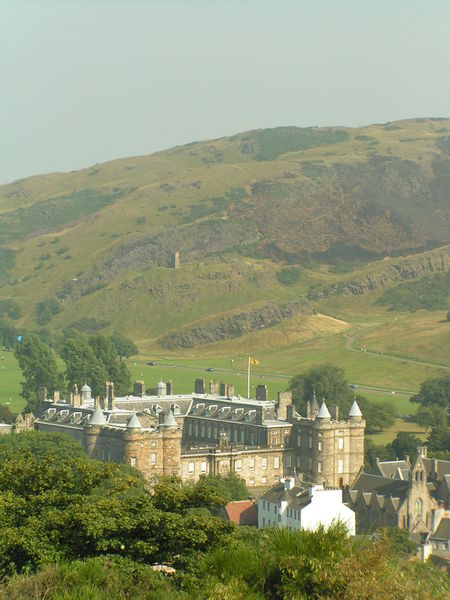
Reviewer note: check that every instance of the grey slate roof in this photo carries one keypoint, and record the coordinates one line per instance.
(170, 420)
(443, 530)
(323, 413)
(366, 482)
(98, 418)
(133, 422)
(297, 497)
(355, 411)
(390, 468)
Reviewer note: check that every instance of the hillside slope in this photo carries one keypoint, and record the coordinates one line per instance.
(268, 224)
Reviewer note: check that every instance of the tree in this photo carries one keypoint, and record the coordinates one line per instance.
(38, 364)
(46, 309)
(439, 438)
(379, 415)
(124, 346)
(106, 352)
(328, 381)
(82, 365)
(434, 392)
(430, 416)
(372, 452)
(405, 444)
(6, 415)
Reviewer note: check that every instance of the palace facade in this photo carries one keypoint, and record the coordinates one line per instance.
(214, 431)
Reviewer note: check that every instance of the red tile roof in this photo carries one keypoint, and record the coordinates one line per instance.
(242, 512)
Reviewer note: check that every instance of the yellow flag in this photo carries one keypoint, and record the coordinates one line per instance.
(254, 362)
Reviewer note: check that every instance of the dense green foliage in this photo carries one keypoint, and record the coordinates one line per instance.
(329, 383)
(8, 334)
(38, 364)
(430, 293)
(56, 508)
(124, 346)
(94, 360)
(53, 212)
(72, 528)
(268, 144)
(288, 276)
(46, 309)
(434, 401)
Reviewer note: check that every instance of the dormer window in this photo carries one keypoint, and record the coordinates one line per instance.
(62, 414)
(250, 415)
(49, 414)
(76, 417)
(224, 412)
(176, 409)
(157, 408)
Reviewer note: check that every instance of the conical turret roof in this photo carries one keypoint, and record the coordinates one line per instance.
(133, 422)
(98, 417)
(355, 411)
(323, 413)
(170, 420)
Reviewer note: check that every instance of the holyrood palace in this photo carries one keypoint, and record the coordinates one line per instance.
(211, 431)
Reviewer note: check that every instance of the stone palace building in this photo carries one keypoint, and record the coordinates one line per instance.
(215, 432)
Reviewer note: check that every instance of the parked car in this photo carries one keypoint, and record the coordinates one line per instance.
(210, 369)
(151, 363)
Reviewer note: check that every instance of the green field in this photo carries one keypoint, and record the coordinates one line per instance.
(10, 377)
(386, 437)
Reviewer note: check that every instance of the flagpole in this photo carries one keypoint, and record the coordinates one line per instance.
(248, 379)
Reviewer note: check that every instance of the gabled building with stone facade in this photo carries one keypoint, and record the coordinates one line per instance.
(412, 496)
(195, 434)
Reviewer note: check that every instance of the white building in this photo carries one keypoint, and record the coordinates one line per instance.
(295, 507)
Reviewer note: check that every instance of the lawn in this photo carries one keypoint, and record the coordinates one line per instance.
(10, 377)
(386, 437)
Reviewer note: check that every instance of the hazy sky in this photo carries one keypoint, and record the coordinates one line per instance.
(91, 80)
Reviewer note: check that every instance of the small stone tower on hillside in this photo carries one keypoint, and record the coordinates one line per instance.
(176, 260)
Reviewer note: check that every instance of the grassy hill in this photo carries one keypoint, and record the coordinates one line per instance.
(289, 241)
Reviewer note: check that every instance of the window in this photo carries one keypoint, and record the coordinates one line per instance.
(191, 468)
(419, 507)
(299, 462)
(310, 464)
(288, 461)
(319, 467)
(196, 429)
(264, 505)
(299, 439)
(235, 434)
(238, 465)
(319, 445)
(209, 430)
(340, 466)
(310, 440)
(340, 443)
(276, 462)
(153, 458)
(203, 467)
(274, 437)
(242, 436)
(263, 479)
(275, 508)
(279, 518)
(252, 481)
(264, 463)
(264, 522)
(203, 430)
(133, 461)
(251, 463)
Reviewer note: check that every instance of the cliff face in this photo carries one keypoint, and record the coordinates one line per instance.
(411, 268)
(234, 326)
